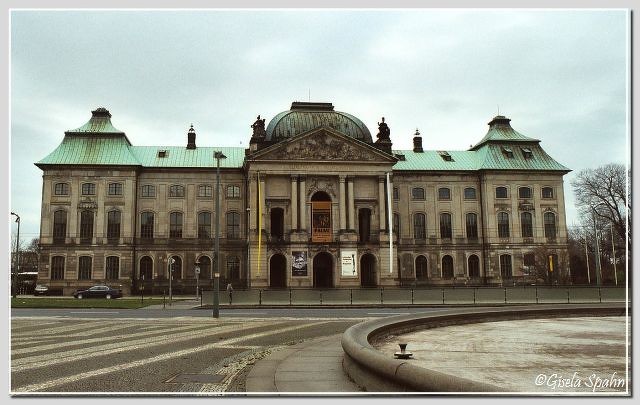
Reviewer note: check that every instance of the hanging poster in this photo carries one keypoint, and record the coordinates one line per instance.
(299, 263)
(321, 221)
(349, 268)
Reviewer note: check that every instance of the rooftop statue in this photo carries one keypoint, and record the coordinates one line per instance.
(258, 128)
(383, 130)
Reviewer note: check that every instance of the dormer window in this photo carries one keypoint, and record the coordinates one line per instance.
(400, 157)
(445, 156)
(507, 152)
(162, 153)
(526, 152)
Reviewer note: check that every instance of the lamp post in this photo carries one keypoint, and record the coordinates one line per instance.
(170, 262)
(14, 273)
(595, 231)
(613, 254)
(216, 254)
(197, 279)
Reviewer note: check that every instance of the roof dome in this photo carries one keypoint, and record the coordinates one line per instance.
(303, 117)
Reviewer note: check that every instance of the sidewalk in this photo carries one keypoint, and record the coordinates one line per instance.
(312, 366)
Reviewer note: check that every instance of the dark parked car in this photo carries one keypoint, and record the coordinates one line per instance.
(98, 291)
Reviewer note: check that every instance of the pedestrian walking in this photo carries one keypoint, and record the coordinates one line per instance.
(230, 291)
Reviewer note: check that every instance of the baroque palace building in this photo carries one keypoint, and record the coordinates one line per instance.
(314, 202)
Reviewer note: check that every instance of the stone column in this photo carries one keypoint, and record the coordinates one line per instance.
(303, 204)
(351, 203)
(343, 204)
(294, 202)
(381, 203)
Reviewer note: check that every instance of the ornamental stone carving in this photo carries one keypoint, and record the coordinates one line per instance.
(321, 146)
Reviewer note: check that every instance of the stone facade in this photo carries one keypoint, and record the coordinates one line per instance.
(299, 208)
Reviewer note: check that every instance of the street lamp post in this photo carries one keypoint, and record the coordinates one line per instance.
(14, 273)
(613, 254)
(197, 279)
(216, 254)
(595, 231)
(170, 262)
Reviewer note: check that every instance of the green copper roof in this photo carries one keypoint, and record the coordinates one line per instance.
(179, 156)
(100, 123)
(82, 150)
(500, 130)
(433, 160)
(303, 117)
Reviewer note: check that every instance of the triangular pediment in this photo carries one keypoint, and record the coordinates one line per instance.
(323, 144)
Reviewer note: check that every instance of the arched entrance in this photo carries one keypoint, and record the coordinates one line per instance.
(368, 270)
(323, 270)
(321, 228)
(277, 271)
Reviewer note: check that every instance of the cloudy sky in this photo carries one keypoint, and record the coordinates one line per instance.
(561, 76)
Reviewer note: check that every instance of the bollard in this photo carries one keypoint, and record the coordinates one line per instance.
(567, 296)
(505, 295)
(289, 296)
(600, 294)
(474, 296)
(381, 296)
(412, 296)
(259, 297)
(537, 295)
(164, 301)
(201, 297)
(320, 298)
(350, 296)
(443, 296)
(403, 354)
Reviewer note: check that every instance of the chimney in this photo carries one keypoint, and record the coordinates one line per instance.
(191, 138)
(417, 142)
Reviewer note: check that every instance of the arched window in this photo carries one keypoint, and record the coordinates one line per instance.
(146, 225)
(469, 193)
(146, 268)
(505, 266)
(549, 225)
(473, 266)
(205, 267)
(503, 225)
(233, 225)
(59, 225)
(57, 268)
(501, 192)
(422, 271)
(175, 225)
(84, 268)
(419, 226)
(364, 224)
(526, 223)
(113, 268)
(204, 225)
(86, 226)
(447, 267)
(113, 224)
(445, 225)
(472, 225)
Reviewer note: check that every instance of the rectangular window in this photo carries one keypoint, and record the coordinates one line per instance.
(86, 226)
(57, 268)
(233, 191)
(233, 225)
(148, 191)
(419, 226)
(526, 222)
(524, 192)
(472, 226)
(146, 225)
(233, 268)
(204, 225)
(61, 189)
(547, 192)
(113, 268)
(445, 226)
(115, 189)
(88, 189)
(505, 266)
(113, 224)
(503, 225)
(175, 225)
(444, 194)
(176, 191)
(501, 192)
(526, 152)
(84, 268)
(205, 190)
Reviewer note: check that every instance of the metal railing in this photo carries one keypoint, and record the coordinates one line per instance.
(422, 296)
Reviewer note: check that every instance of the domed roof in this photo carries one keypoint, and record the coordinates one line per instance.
(303, 117)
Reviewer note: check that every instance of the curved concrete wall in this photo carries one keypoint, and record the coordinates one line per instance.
(375, 372)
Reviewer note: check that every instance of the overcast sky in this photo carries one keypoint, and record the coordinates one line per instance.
(561, 76)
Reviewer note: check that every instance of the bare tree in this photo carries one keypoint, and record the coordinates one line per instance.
(603, 192)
